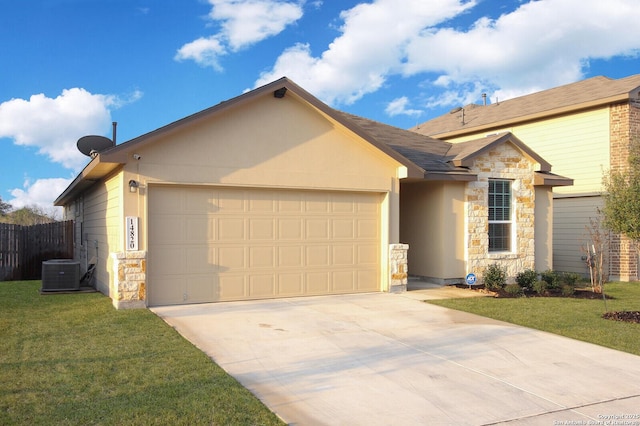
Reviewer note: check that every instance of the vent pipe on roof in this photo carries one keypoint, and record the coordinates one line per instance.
(484, 99)
(113, 137)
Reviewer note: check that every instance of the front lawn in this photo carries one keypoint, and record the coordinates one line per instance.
(73, 359)
(572, 317)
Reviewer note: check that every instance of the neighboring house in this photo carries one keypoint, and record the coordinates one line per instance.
(275, 194)
(584, 129)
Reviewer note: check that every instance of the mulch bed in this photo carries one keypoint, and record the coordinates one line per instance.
(579, 293)
(626, 316)
(588, 294)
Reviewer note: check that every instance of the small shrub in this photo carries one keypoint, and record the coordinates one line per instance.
(494, 277)
(514, 290)
(567, 290)
(526, 279)
(540, 287)
(551, 278)
(570, 278)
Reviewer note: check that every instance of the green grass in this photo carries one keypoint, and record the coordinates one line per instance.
(576, 318)
(73, 359)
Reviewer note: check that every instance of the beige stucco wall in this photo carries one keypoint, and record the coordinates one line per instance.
(432, 222)
(543, 228)
(267, 143)
(277, 143)
(446, 223)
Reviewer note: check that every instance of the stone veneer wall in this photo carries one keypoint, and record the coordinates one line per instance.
(503, 162)
(398, 267)
(624, 130)
(129, 284)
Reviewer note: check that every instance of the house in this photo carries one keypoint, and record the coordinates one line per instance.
(275, 194)
(583, 129)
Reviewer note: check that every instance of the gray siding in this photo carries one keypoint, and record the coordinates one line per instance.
(570, 229)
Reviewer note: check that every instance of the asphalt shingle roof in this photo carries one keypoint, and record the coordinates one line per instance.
(426, 152)
(547, 102)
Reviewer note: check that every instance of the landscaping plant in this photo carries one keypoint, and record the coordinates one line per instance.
(540, 287)
(494, 277)
(567, 290)
(514, 290)
(551, 278)
(526, 279)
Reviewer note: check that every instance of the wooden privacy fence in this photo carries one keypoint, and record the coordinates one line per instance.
(24, 248)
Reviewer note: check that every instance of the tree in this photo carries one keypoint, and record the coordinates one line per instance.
(32, 215)
(621, 209)
(4, 207)
(596, 250)
(27, 216)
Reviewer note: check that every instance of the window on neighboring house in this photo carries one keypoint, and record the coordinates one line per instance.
(500, 218)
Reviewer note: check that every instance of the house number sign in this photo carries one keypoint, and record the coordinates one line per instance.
(132, 233)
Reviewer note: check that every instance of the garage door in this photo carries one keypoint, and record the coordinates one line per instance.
(223, 244)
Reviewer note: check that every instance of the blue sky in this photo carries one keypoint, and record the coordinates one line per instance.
(69, 68)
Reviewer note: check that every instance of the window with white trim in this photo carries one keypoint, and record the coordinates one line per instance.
(500, 215)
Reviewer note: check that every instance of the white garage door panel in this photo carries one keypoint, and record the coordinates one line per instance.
(208, 245)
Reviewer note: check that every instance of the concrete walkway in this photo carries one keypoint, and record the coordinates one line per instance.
(389, 359)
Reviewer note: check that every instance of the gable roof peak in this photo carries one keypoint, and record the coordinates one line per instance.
(462, 154)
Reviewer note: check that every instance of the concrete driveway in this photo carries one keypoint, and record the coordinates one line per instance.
(389, 359)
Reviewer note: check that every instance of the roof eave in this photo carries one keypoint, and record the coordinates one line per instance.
(550, 179)
(450, 176)
(93, 172)
(119, 152)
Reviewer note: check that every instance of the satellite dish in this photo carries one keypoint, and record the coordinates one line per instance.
(93, 144)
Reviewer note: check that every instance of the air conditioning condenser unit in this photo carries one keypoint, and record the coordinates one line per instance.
(60, 275)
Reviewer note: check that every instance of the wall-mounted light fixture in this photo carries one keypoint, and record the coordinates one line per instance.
(133, 185)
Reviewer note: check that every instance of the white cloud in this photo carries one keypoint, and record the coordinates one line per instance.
(540, 44)
(204, 51)
(455, 94)
(369, 49)
(245, 22)
(242, 24)
(53, 125)
(40, 193)
(399, 106)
